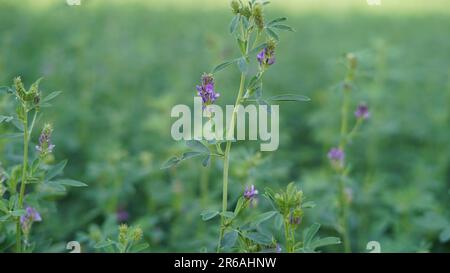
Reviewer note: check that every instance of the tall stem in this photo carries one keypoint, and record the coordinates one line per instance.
(342, 195)
(23, 181)
(226, 159)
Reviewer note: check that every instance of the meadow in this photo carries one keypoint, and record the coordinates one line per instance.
(122, 66)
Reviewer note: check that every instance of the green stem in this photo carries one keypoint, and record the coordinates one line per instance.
(344, 215)
(287, 236)
(344, 139)
(23, 181)
(226, 159)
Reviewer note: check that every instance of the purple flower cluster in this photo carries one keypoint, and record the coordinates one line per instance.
(336, 155)
(266, 56)
(250, 194)
(45, 145)
(362, 111)
(206, 90)
(31, 215)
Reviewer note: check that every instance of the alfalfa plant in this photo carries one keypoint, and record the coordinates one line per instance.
(257, 39)
(26, 185)
(337, 155)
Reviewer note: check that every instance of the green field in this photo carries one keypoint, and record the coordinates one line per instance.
(123, 66)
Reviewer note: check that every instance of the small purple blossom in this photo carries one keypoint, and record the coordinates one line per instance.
(278, 248)
(362, 111)
(295, 220)
(31, 215)
(45, 144)
(336, 155)
(250, 192)
(122, 215)
(266, 56)
(206, 90)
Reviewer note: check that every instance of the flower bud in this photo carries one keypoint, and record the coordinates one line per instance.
(235, 6)
(123, 232)
(352, 60)
(137, 234)
(258, 16)
(20, 89)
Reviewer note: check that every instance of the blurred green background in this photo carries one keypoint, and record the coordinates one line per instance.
(122, 65)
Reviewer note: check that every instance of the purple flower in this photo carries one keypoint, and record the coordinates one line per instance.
(122, 215)
(266, 56)
(31, 215)
(336, 155)
(206, 90)
(45, 144)
(294, 220)
(250, 192)
(278, 248)
(362, 111)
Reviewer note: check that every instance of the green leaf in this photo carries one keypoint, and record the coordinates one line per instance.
(71, 183)
(18, 124)
(257, 49)
(272, 34)
(309, 234)
(242, 65)
(324, 242)
(56, 170)
(170, 162)
(10, 136)
(258, 238)
(242, 45)
(283, 27)
(289, 97)
(140, 247)
(254, 81)
(245, 22)
(206, 161)
(277, 20)
(51, 96)
(189, 155)
(264, 217)
(3, 206)
(239, 205)
(54, 186)
(209, 214)
(5, 118)
(6, 89)
(197, 146)
(229, 239)
(5, 217)
(103, 244)
(18, 213)
(227, 214)
(222, 66)
(234, 23)
(308, 205)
